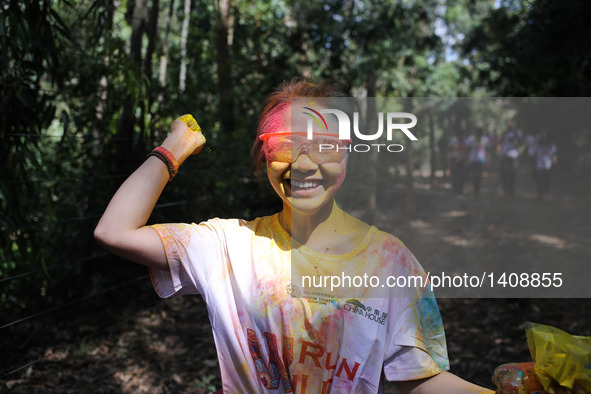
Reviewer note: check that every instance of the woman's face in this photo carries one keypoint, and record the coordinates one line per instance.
(304, 185)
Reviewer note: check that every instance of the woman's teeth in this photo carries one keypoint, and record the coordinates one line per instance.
(305, 184)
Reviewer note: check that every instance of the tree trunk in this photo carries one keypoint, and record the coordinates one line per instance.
(127, 123)
(138, 27)
(184, 36)
(372, 124)
(151, 32)
(409, 206)
(165, 46)
(444, 123)
(103, 94)
(223, 42)
(432, 158)
(152, 29)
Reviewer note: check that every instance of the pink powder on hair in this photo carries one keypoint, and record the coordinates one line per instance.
(276, 120)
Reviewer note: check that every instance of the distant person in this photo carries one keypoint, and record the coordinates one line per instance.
(531, 144)
(545, 158)
(457, 154)
(509, 146)
(477, 144)
(493, 139)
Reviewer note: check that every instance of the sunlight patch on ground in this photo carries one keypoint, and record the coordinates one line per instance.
(423, 227)
(549, 240)
(423, 186)
(419, 224)
(133, 379)
(458, 241)
(454, 214)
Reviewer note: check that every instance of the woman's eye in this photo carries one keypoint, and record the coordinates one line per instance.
(328, 141)
(281, 144)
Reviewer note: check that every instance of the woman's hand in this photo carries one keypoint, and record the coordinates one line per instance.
(442, 383)
(185, 138)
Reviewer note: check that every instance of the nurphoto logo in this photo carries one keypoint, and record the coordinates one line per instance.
(392, 125)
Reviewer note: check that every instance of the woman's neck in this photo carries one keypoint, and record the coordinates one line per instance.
(314, 229)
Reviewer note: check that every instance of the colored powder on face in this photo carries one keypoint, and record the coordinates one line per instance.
(341, 178)
(190, 121)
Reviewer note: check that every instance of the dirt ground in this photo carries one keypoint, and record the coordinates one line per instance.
(166, 346)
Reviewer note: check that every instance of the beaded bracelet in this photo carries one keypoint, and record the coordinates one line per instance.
(167, 158)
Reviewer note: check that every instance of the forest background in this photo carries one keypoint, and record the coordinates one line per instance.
(89, 87)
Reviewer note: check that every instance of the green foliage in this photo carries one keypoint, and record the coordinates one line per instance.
(533, 48)
(205, 383)
(32, 35)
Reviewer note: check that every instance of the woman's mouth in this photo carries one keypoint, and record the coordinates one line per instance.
(304, 187)
(297, 184)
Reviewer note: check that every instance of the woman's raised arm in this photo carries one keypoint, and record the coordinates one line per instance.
(122, 228)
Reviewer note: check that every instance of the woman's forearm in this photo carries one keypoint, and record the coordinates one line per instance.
(443, 383)
(132, 204)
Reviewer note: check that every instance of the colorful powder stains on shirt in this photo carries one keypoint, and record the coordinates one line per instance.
(274, 336)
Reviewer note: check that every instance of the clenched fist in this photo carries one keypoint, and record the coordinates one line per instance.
(186, 131)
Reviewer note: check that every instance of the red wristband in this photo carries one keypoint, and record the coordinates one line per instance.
(171, 163)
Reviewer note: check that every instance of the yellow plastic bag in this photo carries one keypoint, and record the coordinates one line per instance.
(561, 359)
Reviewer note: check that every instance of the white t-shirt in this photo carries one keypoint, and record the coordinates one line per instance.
(271, 339)
(510, 143)
(478, 148)
(544, 155)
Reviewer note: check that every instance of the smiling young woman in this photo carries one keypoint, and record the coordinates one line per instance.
(272, 334)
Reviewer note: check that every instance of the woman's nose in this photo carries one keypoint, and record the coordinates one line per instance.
(302, 162)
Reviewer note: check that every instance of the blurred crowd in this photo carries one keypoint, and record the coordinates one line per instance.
(469, 155)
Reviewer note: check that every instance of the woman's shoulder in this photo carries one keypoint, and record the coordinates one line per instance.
(234, 222)
(368, 241)
(391, 248)
(256, 225)
(385, 239)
